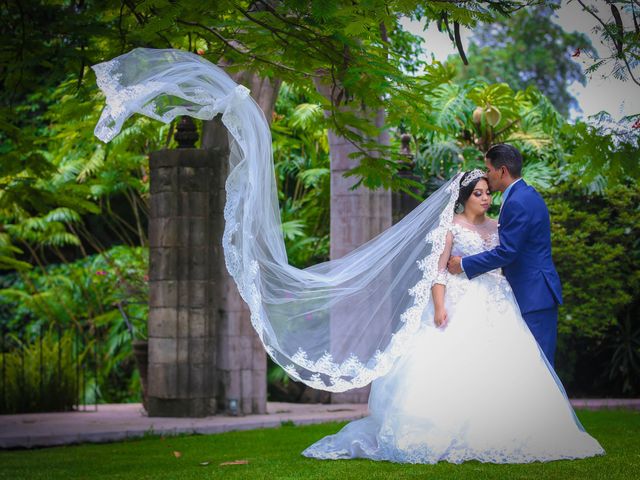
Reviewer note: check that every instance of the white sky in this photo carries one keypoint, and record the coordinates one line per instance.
(616, 97)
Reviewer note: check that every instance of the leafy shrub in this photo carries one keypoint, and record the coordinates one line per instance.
(40, 375)
(596, 249)
(104, 296)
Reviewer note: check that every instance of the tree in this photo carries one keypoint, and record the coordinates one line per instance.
(528, 49)
(618, 24)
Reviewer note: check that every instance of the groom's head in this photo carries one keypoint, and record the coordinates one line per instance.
(504, 166)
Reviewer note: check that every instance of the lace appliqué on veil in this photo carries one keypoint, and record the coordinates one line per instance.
(359, 373)
(164, 84)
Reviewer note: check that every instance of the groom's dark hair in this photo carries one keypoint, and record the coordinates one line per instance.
(505, 155)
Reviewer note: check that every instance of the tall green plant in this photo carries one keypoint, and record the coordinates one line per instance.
(301, 156)
(40, 374)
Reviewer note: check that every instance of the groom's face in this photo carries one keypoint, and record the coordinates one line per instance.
(494, 176)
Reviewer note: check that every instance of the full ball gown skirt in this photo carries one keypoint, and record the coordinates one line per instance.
(478, 389)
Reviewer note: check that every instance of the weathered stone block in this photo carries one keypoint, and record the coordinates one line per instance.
(183, 381)
(230, 298)
(228, 351)
(194, 204)
(259, 356)
(163, 263)
(162, 380)
(246, 328)
(244, 353)
(234, 385)
(163, 293)
(193, 231)
(246, 380)
(197, 349)
(192, 294)
(170, 407)
(163, 232)
(163, 322)
(198, 382)
(163, 204)
(230, 322)
(192, 179)
(217, 200)
(163, 350)
(192, 323)
(163, 179)
(259, 383)
(193, 263)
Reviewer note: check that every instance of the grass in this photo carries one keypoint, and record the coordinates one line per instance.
(275, 453)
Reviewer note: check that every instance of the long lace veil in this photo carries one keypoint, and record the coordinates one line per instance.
(335, 326)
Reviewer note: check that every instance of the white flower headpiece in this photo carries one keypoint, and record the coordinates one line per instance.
(475, 174)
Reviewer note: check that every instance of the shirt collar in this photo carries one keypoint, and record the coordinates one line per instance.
(508, 189)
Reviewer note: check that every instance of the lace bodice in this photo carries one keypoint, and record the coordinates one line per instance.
(471, 239)
(464, 239)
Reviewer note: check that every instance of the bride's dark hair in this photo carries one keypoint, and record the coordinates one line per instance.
(465, 191)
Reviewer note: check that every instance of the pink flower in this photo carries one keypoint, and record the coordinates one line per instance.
(101, 272)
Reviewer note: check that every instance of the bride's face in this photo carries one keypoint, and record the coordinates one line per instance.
(480, 199)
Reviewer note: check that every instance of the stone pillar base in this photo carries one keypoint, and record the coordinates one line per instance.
(180, 407)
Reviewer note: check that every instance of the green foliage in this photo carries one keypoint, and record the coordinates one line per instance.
(467, 119)
(104, 297)
(600, 157)
(358, 49)
(596, 252)
(301, 156)
(617, 24)
(503, 52)
(40, 375)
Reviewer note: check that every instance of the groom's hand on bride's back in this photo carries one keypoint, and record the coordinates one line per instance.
(454, 265)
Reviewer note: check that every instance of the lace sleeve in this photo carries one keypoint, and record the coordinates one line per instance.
(443, 273)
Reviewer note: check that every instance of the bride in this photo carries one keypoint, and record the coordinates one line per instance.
(456, 373)
(473, 383)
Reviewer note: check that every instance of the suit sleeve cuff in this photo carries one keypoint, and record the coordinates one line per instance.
(462, 267)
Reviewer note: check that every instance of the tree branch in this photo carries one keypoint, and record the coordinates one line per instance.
(621, 53)
(456, 31)
(243, 50)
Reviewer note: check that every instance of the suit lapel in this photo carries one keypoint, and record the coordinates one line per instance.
(516, 187)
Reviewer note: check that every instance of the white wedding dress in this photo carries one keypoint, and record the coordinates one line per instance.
(478, 389)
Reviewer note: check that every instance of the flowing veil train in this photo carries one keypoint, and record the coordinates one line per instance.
(480, 388)
(311, 321)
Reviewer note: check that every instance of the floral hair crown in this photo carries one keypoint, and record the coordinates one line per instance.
(473, 175)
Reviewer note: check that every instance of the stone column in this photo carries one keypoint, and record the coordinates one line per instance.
(356, 217)
(183, 296)
(204, 356)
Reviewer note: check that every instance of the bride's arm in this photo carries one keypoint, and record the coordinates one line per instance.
(439, 283)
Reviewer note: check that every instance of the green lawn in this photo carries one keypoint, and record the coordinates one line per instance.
(275, 453)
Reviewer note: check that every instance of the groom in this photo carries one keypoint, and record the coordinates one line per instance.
(524, 252)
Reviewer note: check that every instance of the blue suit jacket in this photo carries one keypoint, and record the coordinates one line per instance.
(524, 253)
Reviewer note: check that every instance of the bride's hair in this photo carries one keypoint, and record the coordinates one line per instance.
(466, 190)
